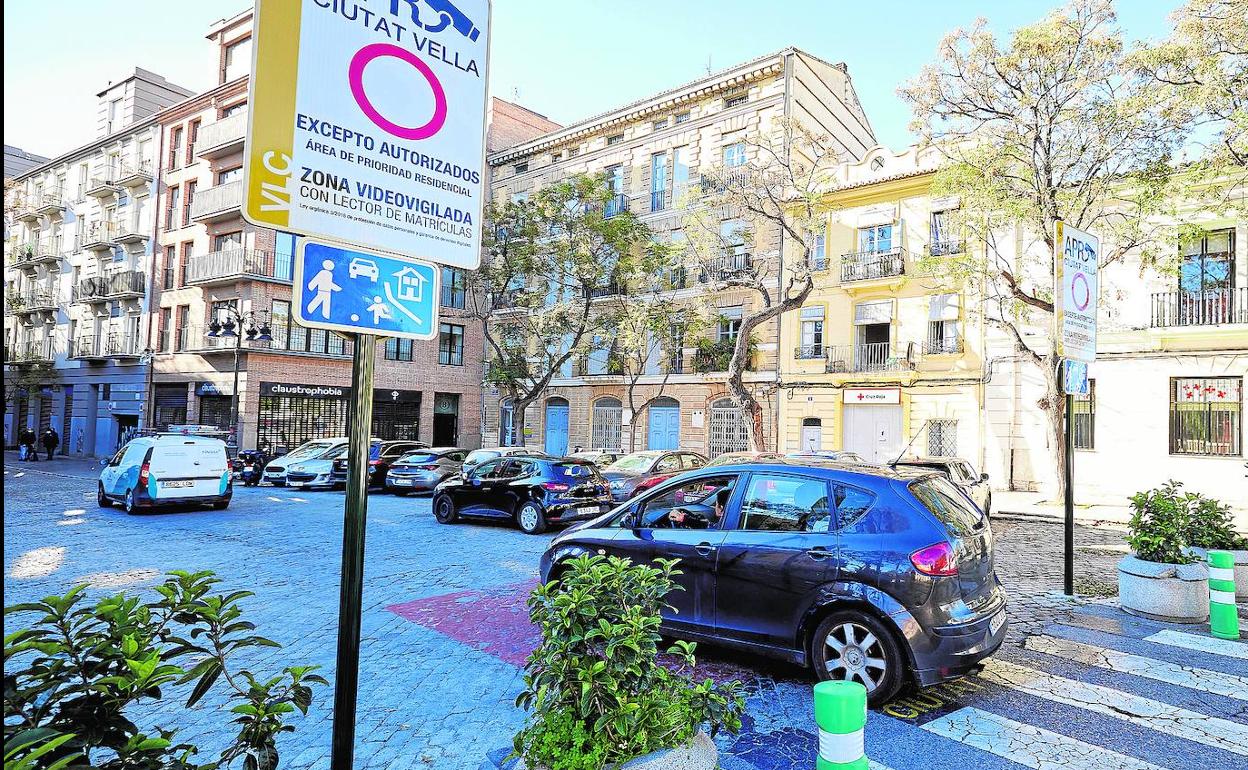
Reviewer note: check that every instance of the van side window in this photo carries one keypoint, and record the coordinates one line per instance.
(851, 504)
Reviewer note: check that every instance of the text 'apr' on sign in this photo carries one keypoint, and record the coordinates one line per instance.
(364, 292)
(367, 124)
(1076, 263)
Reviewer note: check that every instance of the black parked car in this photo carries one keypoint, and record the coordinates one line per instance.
(639, 471)
(961, 473)
(381, 455)
(863, 573)
(534, 491)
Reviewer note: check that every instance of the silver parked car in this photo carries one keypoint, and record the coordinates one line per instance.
(960, 472)
(424, 469)
(478, 456)
(275, 471)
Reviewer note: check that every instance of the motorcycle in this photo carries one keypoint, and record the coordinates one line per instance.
(248, 466)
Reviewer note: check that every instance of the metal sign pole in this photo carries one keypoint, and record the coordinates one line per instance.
(359, 433)
(1068, 470)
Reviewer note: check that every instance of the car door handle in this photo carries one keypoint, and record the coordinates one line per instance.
(818, 552)
(704, 549)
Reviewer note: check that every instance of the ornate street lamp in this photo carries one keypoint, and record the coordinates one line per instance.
(255, 328)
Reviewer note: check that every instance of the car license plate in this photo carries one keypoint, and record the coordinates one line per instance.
(297, 483)
(403, 482)
(995, 624)
(587, 509)
(177, 484)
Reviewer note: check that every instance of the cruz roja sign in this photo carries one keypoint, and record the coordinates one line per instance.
(367, 137)
(367, 124)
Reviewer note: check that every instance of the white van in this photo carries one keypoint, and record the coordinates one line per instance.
(167, 469)
(275, 471)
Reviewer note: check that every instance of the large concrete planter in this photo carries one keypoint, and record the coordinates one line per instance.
(1174, 593)
(700, 754)
(1241, 570)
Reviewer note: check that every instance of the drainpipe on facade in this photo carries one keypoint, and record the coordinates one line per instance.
(775, 407)
(157, 176)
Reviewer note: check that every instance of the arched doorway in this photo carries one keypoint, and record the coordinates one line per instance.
(664, 424)
(608, 423)
(812, 434)
(506, 424)
(728, 431)
(556, 443)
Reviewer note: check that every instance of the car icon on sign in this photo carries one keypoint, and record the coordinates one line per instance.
(363, 267)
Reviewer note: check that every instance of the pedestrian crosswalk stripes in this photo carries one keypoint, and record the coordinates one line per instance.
(1078, 630)
(1179, 722)
(1228, 685)
(1027, 745)
(1201, 643)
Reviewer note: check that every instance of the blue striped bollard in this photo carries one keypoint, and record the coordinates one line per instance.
(1223, 617)
(841, 714)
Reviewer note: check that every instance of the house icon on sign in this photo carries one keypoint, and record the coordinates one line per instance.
(411, 284)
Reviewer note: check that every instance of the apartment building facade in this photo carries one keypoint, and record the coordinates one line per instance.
(76, 289)
(224, 286)
(883, 352)
(1166, 397)
(653, 152)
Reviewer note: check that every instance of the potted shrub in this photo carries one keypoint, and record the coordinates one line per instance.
(598, 694)
(1209, 527)
(1159, 580)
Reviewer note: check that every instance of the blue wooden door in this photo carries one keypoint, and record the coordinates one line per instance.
(664, 427)
(557, 429)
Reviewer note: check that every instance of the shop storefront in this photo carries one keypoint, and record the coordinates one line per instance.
(293, 413)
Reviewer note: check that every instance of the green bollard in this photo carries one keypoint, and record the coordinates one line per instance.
(1223, 617)
(841, 713)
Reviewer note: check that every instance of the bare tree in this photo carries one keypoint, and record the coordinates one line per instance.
(545, 262)
(772, 194)
(1051, 125)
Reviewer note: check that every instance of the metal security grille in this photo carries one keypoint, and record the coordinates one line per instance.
(729, 432)
(286, 422)
(396, 420)
(1083, 418)
(942, 438)
(608, 424)
(1205, 416)
(170, 405)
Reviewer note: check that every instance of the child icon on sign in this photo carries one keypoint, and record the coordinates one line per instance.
(380, 310)
(323, 284)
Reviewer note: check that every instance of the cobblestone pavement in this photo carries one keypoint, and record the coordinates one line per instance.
(1078, 684)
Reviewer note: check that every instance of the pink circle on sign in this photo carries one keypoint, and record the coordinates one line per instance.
(1081, 279)
(355, 76)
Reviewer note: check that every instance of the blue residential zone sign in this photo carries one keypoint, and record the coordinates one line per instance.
(355, 291)
(1074, 377)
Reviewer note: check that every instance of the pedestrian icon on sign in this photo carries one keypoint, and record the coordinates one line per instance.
(380, 310)
(322, 284)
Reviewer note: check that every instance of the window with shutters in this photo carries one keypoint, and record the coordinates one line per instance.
(944, 328)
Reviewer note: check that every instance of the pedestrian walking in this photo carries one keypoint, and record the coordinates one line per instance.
(29, 443)
(51, 440)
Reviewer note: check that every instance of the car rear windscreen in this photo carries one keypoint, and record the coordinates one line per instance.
(573, 471)
(418, 457)
(948, 505)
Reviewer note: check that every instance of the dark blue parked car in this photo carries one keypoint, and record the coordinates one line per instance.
(862, 572)
(533, 491)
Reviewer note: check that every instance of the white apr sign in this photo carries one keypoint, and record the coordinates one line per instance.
(1076, 264)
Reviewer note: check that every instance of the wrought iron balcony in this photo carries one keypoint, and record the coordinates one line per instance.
(100, 236)
(1213, 307)
(616, 204)
(222, 137)
(88, 347)
(873, 357)
(806, 352)
(26, 208)
(945, 248)
(89, 290)
(48, 250)
(23, 254)
(941, 346)
(52, 204)
(129, 232)
(31, 352)
(135, 174)
(870, 265)
(612, 289)
(125, 283)
(659, 200)
(122, 346)
(43, 298)
(220, 202)
(726, 268)
(104, 186)
(229, 265)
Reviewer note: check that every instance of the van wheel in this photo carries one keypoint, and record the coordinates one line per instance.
(129, 503)
(221, 506)
(854, 646)
(444, 510)
(102, 498)
(531, 519)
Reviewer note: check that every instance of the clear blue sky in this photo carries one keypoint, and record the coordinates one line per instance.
(568, 59)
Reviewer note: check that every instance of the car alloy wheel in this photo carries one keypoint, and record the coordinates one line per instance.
(444, 510)
(856, 647)
(130, 505)
(531, 519)
(102, 498)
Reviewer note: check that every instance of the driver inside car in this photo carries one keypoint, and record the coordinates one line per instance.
(680, 518)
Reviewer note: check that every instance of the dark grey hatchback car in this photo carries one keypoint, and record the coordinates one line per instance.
(865, 573)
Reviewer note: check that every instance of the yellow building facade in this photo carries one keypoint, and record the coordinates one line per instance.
(884, 356)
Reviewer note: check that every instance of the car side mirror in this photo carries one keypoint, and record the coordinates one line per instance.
(983, 477)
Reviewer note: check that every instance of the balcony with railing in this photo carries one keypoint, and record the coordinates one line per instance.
(1212, 307)
(41, 298)
(809, 352)
(135, 174)
(88, 347)
(222, 137)
(871, 265)
(29, 352)
(943, 346)
(286, 338)
(23, 254)
(616, 204)
(26, 207)
(229, 265)
(52, 204)
(125, 284)
(659, 200)
(90, 290)
(220, 202)
(612, 289)
(103, 186)
(100, 236)
(945, 248)
(871, 357)
(726, 268)
(129, 231)
(120, 345)
(48, 250)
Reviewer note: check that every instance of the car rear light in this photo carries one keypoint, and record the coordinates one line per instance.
(935, 560)
(427, 467)
(554, 486)
(650, 482)
(374, 462)
(144, 474)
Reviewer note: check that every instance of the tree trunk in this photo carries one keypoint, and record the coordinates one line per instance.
(518, 410)
(1055, 409)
